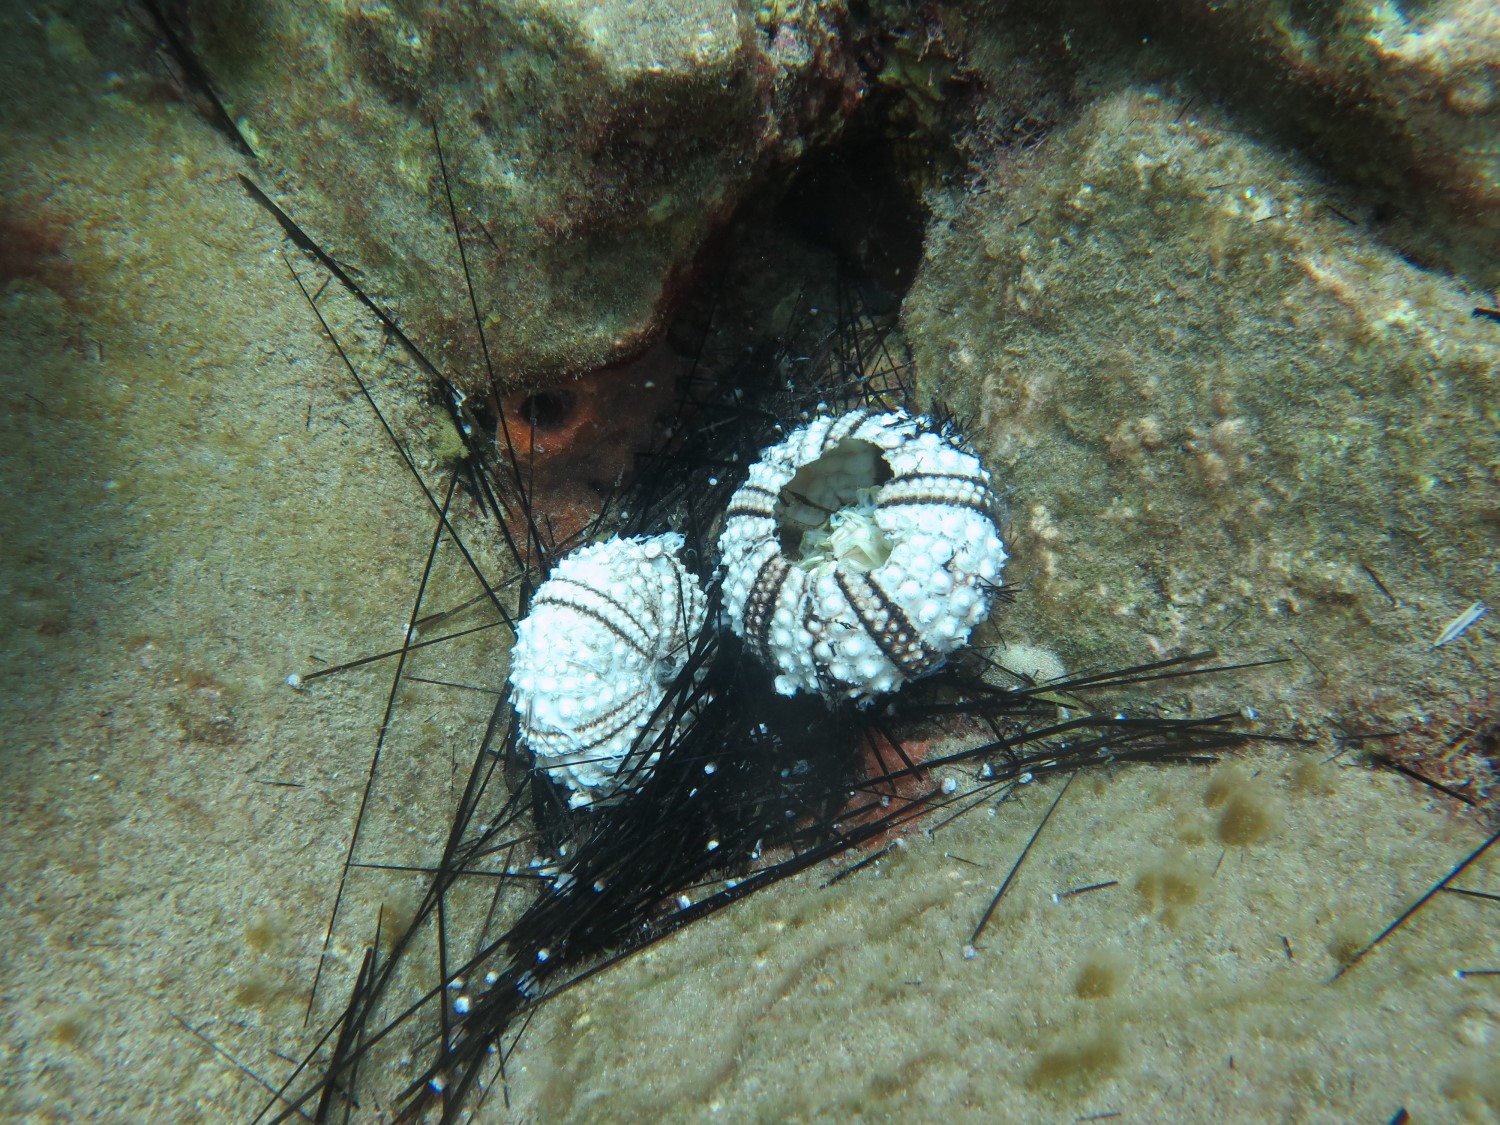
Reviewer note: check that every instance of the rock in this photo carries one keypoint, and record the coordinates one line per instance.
(592, 148)
(1405, 97)
(1223, 415)
(1400, 102)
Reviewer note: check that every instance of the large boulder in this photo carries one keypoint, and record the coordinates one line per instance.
(591, 147)
(1224, 416)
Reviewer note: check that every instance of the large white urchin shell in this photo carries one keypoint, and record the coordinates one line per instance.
(608, 633)
(860, 552)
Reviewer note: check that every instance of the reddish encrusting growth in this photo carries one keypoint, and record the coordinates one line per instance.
(1454, 742)
(31, 248)
(894, 780)
(576, 442)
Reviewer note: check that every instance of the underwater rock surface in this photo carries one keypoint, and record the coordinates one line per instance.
(1194, 988)
(1226, 416)
(1400, 102)
(591, 147)
(1406, 96)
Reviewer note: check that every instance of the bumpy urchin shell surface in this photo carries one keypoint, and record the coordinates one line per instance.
(860, 552)
(608, 633)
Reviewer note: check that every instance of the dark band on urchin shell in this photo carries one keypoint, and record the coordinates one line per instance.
(937, 489)
(741, 507)
(760, 604)
(614, 603)
(592, 612)
(844, 427)
(597, 737)
(897, 638)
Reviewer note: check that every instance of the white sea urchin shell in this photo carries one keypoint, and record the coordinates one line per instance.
(607, 634)
(860, 552)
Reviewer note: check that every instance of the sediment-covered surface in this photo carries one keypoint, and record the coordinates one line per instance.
(197, 502)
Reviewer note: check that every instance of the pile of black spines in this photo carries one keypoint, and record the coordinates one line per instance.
(749, 787)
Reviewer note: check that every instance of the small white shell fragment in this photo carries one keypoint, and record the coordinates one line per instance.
(1455, 628)
(860, 552)
(608, 633)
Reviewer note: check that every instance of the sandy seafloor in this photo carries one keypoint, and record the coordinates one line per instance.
(196, 503)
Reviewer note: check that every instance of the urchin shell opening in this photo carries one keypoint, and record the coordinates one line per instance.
(826, 513)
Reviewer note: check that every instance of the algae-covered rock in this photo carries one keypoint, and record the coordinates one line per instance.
(1398, 102)
(591, 149)
(1223, 415)
(1406, 96)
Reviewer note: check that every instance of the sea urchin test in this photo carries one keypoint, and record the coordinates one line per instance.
(608, 633)
(860, 552)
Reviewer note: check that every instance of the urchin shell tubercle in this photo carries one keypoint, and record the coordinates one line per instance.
(608, 633)
(860, 552)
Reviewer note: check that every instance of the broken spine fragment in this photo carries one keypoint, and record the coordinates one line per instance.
(860, 552)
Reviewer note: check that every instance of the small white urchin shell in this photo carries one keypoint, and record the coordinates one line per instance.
(608, 632)
(860, 552)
